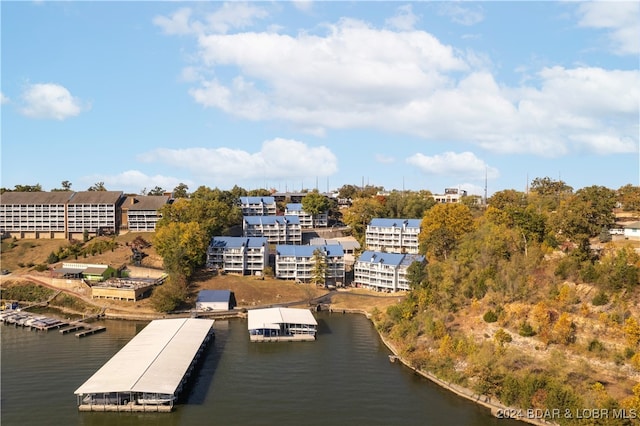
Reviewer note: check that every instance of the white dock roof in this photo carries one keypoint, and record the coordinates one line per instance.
(273, 317)
(154, 361)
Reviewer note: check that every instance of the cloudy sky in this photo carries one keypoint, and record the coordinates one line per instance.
(304, 94)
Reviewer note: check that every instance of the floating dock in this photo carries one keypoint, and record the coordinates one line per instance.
(150, 371)
(281, 325)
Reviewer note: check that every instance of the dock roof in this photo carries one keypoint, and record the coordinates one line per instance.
(155, 360)
(273, 317)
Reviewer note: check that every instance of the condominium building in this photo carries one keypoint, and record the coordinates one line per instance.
(307, 220)
(140, 213)
(238, 255)
(258, 206)
(298, 262)
(384, 271)
(60, 214)
(95, 212)
(276, 229)
(34, 214)
(393, 235)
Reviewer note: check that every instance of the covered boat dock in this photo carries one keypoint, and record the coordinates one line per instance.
(281, 324)
(149, 372)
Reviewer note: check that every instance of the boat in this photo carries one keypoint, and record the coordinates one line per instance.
(155, 399)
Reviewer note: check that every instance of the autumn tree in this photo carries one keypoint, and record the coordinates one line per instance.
(629, 197)
(442, 228)
(320, 268)
(360, 214)
(182, 246)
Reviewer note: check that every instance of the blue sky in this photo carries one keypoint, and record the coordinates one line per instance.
(290, 95)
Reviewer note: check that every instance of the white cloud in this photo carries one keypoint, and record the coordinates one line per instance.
(229, 16)
(460, 165)
(277, 159)
(49, 100)
(303, 5)
(408, 82)
(135, 181)
(464, 15)
(4, 99)
(404, 20)
(620, 18)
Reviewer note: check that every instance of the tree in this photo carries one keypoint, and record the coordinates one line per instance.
(443, 226)
(66, 186)
(416, 274)
(182, 246)
(181, 191)
(28, 188)
(156, 191)
(320, 268)
(314, 204)
(360, 213)
(629, 197)
(98, 186)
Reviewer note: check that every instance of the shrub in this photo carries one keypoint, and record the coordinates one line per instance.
(490, 316)
(526, 330)
(600, 299)
(595, 346)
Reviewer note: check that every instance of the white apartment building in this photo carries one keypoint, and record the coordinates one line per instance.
(93, 211)
(393, 235)
(140, 213)
(238, 255)
(276, 229)
(306, 220)
(297, 263)
(384, 271)
(258, 206)
(34, 214)
(451, 195)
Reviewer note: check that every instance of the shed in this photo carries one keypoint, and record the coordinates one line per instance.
(215, 300)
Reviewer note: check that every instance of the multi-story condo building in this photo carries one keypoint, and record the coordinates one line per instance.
(140, 213)
(258, 206)
(238, 255)
(384, 271)
(34, 214)
(307, 220)
(276, 229)
(298, 262)
(60, 214)
(95, 212)
(393, 235)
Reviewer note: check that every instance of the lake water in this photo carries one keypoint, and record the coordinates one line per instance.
(343, 378)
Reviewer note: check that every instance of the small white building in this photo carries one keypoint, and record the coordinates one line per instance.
(632, 231)
(281, 324)
(215, 300)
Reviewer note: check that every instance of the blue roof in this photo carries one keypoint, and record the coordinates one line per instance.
(257, 200)
(214, 296)
(270, 220)
(307, 251)
(394, 259)
(237, 242)
(294, 207)
(397, 222)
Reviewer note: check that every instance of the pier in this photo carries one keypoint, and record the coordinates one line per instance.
(43, 323)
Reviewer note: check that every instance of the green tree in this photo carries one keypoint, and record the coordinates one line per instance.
(629, 197)
(156, 191)
(66, 186)
(182, 247)
(181, 191)
(98, 186)
(28, 188)
(416, 274)
(314, 204)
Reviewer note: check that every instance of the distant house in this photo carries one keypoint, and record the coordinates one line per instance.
(276, 229)
(140, 213)
(215, 300)
(384, 271)
(238, 255)
(295, 262)
(451, 195)
(393, 235)
(258, 206)
(632, 230)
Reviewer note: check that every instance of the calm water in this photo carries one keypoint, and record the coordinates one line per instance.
(343, 378)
